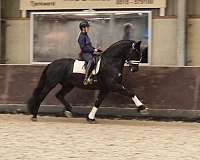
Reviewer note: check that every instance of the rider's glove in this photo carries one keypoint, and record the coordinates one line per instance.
(99, 50)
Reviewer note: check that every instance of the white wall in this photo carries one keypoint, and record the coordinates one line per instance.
(164, 41)
(193, 42)
(17, 41)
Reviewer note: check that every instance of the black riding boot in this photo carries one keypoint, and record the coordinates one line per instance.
(88, 72)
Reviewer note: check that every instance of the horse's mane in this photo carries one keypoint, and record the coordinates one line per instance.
(117, 44)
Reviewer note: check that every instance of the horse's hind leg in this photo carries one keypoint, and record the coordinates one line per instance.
(61, 97)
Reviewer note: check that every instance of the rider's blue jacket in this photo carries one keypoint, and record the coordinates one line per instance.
(85, 43)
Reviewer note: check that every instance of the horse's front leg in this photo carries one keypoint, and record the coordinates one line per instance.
(91, 117)
(122, 90)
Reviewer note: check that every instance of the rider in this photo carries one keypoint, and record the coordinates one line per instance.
(87, 49)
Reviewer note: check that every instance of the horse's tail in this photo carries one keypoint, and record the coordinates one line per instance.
(32, 101)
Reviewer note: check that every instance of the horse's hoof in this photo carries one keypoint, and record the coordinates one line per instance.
(68, 114)
(34, 119)
(143, 109)
(91, 121)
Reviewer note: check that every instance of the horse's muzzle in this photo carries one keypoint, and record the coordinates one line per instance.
(134, 66)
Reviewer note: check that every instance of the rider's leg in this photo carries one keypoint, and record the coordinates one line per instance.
(87, 73)
(90, 62)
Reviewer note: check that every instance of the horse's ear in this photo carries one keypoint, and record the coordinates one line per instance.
(137, 45)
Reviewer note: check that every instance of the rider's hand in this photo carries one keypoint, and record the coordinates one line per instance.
(98, 50)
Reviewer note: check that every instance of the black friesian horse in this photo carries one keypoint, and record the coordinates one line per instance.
(109, 78)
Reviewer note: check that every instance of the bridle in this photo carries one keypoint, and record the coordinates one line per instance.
(134, 62)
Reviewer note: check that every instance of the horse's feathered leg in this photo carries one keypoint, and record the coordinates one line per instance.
(102, 94)
(61, 97)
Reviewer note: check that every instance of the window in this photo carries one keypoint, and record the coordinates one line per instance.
(54, 35)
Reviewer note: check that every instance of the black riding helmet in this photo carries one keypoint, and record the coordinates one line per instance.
(84, 24)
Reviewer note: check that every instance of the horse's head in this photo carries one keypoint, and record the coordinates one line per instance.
(134, 56)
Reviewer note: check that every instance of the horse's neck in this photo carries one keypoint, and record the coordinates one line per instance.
(117, 50)
(116, 61)
(116, 55)
(120, 67)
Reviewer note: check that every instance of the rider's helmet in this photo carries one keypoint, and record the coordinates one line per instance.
(84, 24)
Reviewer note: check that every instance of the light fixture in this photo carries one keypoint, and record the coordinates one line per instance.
(85, 14)
(140, 13)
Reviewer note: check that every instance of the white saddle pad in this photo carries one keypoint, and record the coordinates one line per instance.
(79, 67)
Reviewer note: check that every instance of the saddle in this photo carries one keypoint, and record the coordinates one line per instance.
(96, 58)
(80, 65)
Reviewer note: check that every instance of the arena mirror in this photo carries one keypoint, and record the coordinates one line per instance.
(54, 34)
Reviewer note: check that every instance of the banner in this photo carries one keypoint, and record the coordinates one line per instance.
(89, 4)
